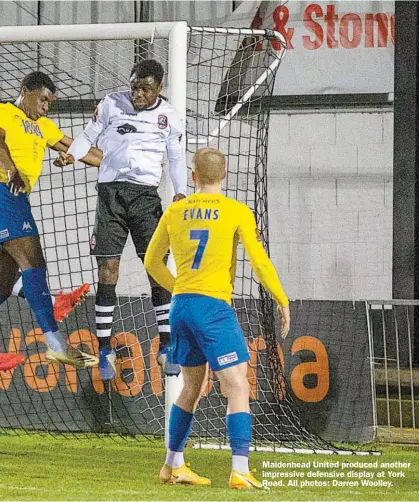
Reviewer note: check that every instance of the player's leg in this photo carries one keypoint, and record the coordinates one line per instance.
(8, 272)
(182, 413)
(144, 215)
(195, 374)
(160, 298)
(107, 244)
(104, 312)
(16, 220)
(27, 253)
(234, 383)
(63, 303)
(20, 241)
(221, 339)
(11, 226)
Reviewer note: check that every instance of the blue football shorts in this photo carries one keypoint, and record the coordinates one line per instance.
(204, 329)
(16, 218)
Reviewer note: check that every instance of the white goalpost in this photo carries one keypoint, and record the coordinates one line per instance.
(176, 33)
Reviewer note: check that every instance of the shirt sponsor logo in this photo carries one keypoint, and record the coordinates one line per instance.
(31, 128)
(26, 226)
(4, 233)
(126, 129)
(162, 121)
(227, 358)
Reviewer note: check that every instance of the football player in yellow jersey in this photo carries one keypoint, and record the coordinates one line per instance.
(203, 231)
(25, 132)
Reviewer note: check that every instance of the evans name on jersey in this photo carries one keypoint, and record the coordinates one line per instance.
(201, 213)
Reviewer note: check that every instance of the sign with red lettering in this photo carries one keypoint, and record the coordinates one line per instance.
(333, 47)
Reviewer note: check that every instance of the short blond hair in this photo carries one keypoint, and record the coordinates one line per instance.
(209, 165)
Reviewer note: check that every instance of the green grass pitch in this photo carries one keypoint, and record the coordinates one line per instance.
(41, 467)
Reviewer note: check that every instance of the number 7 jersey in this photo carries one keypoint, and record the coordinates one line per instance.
(203, 231)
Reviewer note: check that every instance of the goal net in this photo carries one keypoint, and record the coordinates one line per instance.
(229, 79)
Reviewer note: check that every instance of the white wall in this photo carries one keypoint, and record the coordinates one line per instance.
(330, 203)
(330, 209)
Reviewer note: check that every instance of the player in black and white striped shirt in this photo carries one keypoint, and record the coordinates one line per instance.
(135, 129)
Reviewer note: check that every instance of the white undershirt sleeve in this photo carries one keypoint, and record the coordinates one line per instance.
(175, 156)
(82, 143)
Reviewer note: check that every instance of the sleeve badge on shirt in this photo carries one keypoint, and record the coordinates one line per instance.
(95, 114)
(162, 121)
(93, 242)
(258, 235)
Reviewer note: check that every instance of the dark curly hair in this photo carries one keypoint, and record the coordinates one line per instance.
(37, 80)
(148, 68)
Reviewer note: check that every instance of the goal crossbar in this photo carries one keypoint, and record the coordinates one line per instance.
(113, 31)
(81, 32)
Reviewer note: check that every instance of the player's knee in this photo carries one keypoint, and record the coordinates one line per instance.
(26, 252)
(37, 261)
(192, 393)
(108, 270)
(194, 387)
(236, 385)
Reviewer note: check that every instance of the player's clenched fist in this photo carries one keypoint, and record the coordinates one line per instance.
(63, 159)
(178, 197)
(15, 182)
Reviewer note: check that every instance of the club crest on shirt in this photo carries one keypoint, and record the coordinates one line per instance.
(162, 121)
(258, 235)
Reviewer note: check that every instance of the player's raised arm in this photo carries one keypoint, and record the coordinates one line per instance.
(156, 251)
(177, 166)
(93, 157)
(81, 147)
(262, 265)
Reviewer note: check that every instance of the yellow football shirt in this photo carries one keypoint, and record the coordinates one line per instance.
(203, 231)
(27, 140)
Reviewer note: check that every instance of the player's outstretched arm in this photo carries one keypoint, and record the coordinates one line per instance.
(93, 157)
(156, 251)
(263, 267)
(81, 147)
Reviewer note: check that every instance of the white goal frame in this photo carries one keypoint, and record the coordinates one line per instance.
(177, 35)
(175, 32)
